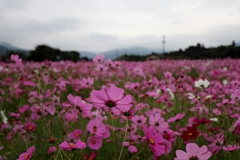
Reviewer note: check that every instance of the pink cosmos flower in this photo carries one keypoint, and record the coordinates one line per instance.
(36, 112)
(24, 108)
(131, 147)
(16, 59)
(139, 120)
(87, 82)
(131, 144)
(91, 157)
(96, 127)
(30, 126)
(76, 134)
(82, 106)
(193, 152)
(216, 143)
(71, 115)
(52, 150)
(98, 58)
(155, 141)
(79, 145)
(94, 142)
(176, 118)
(157, 121)
(111, 99)
(27, 155)
(231, 148)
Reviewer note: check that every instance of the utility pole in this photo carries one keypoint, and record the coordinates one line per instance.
(117, 54)
(163, 42)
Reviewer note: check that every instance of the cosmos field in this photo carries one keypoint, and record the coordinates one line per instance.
(112, 110)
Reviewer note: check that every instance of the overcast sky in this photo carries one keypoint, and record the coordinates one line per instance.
(100, 25)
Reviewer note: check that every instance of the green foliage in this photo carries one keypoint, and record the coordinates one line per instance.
(44, 52)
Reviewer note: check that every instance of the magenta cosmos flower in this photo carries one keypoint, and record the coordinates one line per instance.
(27, 155)
(30, 126)
(155, 141)
(112, 99)
(79, 145)
(193, 153)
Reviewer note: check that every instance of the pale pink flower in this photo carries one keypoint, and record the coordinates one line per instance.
(193, 152)
(98, 58)
(96, 127)
(231, 148)
(112, 99)
(16, 59)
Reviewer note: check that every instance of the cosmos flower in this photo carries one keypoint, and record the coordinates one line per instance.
(98, 58)
(112, 99)
(190, 133)
(155, 141)
(91, 157)
(231, 148)
(16, 59)
(193, 153)
(30, 126)
(96, 127)
(94, 142)
(27, 155)
(75, 134)
(4, 118)
(70, 146)
(202, 83)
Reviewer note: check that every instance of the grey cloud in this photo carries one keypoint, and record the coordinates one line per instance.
(56, 25)
(13, 4)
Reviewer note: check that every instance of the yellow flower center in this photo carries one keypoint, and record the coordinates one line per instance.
(72, 145)
(93, 141)
(190, 134)
(30, 128)
(151, 141)
(26, 156)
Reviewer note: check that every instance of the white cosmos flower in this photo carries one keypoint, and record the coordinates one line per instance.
(225, 82)
(213, 119)
(225, 69)
(170, 93)
(208, 97)
(4, 118)
(202, 83)
(190, 95)
(158, 91)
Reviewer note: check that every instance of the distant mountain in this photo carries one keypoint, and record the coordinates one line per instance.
(112, 54)
(89, 55)
(3, 50)
(5, 47)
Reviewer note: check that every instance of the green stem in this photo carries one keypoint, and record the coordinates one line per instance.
(57, 154)
(65, 154)
(113, 135)
(125, 134)
(139, 151)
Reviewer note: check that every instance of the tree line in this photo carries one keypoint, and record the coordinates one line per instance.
(44, 52)
(193, 52)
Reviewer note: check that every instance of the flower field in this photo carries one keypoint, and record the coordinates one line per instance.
(112, 110)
